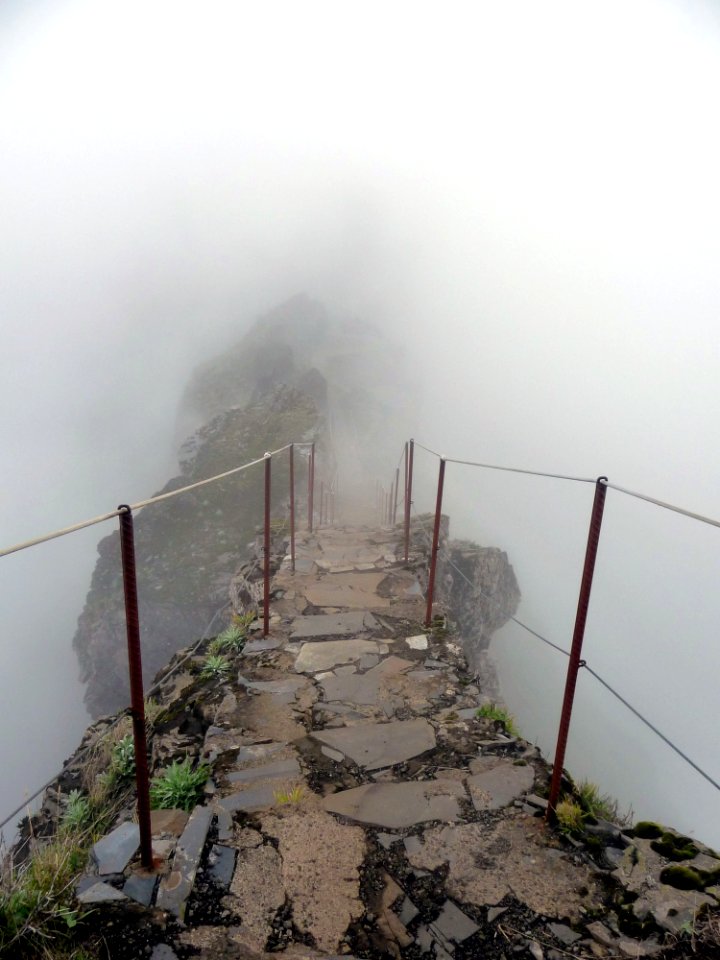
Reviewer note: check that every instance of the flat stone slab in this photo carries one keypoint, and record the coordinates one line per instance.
(270, 771)
(253, 647)
(168, 821)
(258, 751)
(333, 625)
(418, 642)
(177, 886)
(352, 591)
(100, 893)
(252, 800)
(453, 924)
(498, 787)
(314, 657)
(221, 864)
(140, 888)
(376, 745)
(398, 805)
(113, 853)
(287, 686)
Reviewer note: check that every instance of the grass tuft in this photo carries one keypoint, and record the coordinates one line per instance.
(490, 711)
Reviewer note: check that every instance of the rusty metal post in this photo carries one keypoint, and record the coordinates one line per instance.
(322, 502)
(332, 509)
(397, 484)
(408, 496)
(266, 569)
(311, 485)
(388, 518)
(575, 662)
(292, 507)
(137, 696)
(435, 543)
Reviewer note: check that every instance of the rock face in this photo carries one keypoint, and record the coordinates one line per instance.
(478, 584)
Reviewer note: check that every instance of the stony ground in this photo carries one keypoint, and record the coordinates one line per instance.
(359, 807)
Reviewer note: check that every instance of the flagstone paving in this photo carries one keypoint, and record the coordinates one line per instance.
(341, 726)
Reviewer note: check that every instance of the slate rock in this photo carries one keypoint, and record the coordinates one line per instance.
(177, 886)
(163, 952)
(113, 853)
(501, 785)
(252, 800)
(373, 746)
(453, 924)
(281, 769)
(101, 893)
(398, 805)
(140, 888)
(221, 864)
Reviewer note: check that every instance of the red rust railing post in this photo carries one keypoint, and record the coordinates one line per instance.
(435, 543)
(397, 484)
(311, 485)
(137, 697)
(266, 568)
(292, 507)
(408, 496)
(388, 516)
(322, 502)
(575, 662)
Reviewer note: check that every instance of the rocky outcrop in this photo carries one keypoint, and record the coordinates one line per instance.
(189, 547)
(478, 584)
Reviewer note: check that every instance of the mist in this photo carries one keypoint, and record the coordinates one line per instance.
(525, 199)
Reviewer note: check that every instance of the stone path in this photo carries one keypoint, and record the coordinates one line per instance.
(358, 805)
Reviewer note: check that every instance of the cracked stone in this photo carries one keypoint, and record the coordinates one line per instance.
(498, 787)
(100, 893)
(177, 886)
(398, 805)
(373, 746)
(281, 769)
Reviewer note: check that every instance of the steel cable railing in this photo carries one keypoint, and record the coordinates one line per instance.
(125, 514)
(576, 662)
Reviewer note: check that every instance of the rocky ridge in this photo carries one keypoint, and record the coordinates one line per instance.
(359, 806)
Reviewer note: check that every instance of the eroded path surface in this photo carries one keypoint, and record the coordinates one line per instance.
(358, 806)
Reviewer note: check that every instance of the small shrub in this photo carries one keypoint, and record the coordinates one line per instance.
(243, 620)
(292, 795)
(77, 813)
(232, 638)
(569, 816)
(596, 804)
(489, 711)
(178, 786)
(122, 758)
(216, 666)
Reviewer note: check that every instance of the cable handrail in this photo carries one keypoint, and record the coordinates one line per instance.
(664, 505)
(64, 531)
(683, 511)
(583, 663)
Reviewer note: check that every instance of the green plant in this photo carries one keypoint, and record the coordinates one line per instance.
(232, 638)
(596, 804)
(489, 711)
(215, 666)
(37, 913)
(178, 785)
(291, 795)
(122, 758)
(569, 816)
(243, 620)
(77, 813)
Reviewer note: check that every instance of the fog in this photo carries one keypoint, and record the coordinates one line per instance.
(524, 197)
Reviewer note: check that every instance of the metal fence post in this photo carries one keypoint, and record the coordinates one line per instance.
(435, 543)
(397, 484)
(292, 507)
(266, 571)
(137, 697)
(322, 502)
(311, 485)
(575, 662)
(408, 496)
